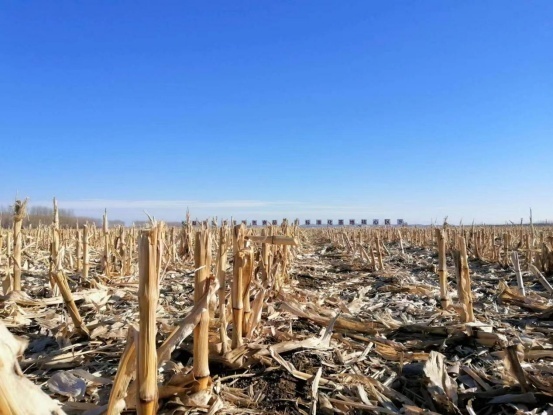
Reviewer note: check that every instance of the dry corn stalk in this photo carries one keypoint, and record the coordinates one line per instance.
(18, 215)
(542, 278)
(247, 276)
(78, 250)
(149, 261)
(128, 254)
(257, 309)
(442, 268)
(202, 262)
(529, 247)
(185, 327)
(237, 289)
(464, 288)
(186, 238)
(267, 242)
(86, 258)
(125, 373)
(122, 249)
(506, 243)
(379, 250)
(18, 395)
(221, 277)
(364, 254)
(61, 282)
(7, 284)
(265, 261)
(54, 249)
(518, 272)
(373, 258)
(105, 232)
(400, 242)
(512, 362)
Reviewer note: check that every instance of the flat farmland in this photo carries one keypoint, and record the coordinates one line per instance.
(280, 319)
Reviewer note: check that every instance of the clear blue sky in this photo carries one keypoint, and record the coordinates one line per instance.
(262, 109)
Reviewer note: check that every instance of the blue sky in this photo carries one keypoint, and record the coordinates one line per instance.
(261, 109)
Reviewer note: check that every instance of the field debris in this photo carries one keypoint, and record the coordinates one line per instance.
(280, 319)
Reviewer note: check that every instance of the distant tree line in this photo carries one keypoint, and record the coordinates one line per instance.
(44, 215)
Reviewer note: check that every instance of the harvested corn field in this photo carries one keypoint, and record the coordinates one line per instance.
(178, 135)
(225, 319)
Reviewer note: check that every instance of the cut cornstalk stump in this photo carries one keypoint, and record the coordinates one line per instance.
(442, 268)
(78, 251)
(149, 262)
(54, 249)
(202, 262)
(105, 233)
(247, 280)
(7, 283)
(86, 257)
(379, 251)
(464, 288)
(237, 291)
(518, 272)
(18, 215)
(221, 277)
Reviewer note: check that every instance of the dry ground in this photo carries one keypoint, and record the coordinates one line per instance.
(392, 350)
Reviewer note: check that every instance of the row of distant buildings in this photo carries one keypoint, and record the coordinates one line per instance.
(319, 222)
